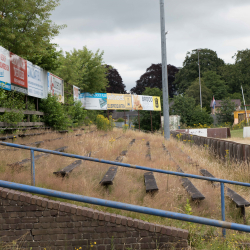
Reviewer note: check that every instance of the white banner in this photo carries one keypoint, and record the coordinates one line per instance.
(142, 102)
(97, 101)
(5, 69)
(55, 86)
(37, 84)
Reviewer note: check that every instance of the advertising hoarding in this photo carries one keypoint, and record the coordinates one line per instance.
(5, 69)
(97, 101)
(145, 102)
(76, 93)
(18, 74)
(55, 86)
(157, 103)
(37, 82)
(119, 101)
(142, 102)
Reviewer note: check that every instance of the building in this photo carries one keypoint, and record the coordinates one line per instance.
(218, 105)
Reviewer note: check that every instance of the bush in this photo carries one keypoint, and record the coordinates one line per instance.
(104, 123)
(120, 120)
(54, 113)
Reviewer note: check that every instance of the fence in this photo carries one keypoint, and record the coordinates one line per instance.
(224, 149)
(23, 124)
(184, 217)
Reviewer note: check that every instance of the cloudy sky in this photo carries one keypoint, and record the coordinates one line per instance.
(128, 31)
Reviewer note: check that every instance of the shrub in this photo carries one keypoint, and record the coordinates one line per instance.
(54, 113)
(104, 123)
(120, 120)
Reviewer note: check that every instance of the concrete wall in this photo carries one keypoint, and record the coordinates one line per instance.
(49, 224)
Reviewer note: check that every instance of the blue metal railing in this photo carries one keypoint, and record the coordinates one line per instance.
(200, 220)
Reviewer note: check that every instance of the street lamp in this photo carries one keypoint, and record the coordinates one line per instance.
(164, 73)
(199, 77)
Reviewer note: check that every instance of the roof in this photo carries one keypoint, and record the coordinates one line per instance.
(218, 103)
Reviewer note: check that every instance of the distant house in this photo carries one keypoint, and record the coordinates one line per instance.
(218, 105)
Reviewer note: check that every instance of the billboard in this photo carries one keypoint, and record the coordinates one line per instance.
(37, 84)
(18, 74)
(5, 69)
(119, 101)
(76, 93)
(97, 101)
(55, 86)
(144, 102)
(157, 103)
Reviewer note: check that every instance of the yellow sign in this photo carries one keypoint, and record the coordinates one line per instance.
(119, 101)
(157, 103)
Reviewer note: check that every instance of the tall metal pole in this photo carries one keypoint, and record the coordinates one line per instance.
(164, 73)
(199, 77)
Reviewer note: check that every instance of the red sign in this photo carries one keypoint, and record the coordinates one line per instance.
(18, 74)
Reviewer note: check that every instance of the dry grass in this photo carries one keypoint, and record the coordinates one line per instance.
(129, 183)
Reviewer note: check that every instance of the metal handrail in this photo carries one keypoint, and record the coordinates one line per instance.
(222, 181)
(124, 206)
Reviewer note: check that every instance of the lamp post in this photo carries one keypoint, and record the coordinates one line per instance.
(199, 77)
(164, 73)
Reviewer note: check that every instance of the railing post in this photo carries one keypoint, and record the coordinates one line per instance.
(223, 207)
(33, 178)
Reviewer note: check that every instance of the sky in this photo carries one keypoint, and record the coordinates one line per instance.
(128, 31)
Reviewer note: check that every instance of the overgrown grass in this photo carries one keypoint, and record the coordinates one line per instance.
(237, 133)
(129, 183)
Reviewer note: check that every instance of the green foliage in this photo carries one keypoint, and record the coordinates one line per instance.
(14, 101)
(84, 69)
(75, 112)
(194, 92)
(190, 114)
(104, 123)
(54, 113)
(26, 30)
(120, 120)
(225, 113)
(215, 84)
(209, 61)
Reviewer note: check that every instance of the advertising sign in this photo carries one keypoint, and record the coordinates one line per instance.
(119, 101)
(37, 84)
(76, 93)
(142, 102)
(55, 86)
(18, 74)
(5, 69)
(97, 101)
(157, 103)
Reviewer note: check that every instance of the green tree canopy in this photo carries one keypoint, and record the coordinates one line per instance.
(26, 30)
(215, 84)
(84, 69)
(194, 92)
(189, 113)
(209, 61)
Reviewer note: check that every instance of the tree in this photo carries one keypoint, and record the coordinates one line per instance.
(26, 30)
(215, 84)
(189, 113)
(194, 92)
(209, 61)
(225, 113)
(145, 118)
(115, 83)
(153, 79)
(84, 69)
